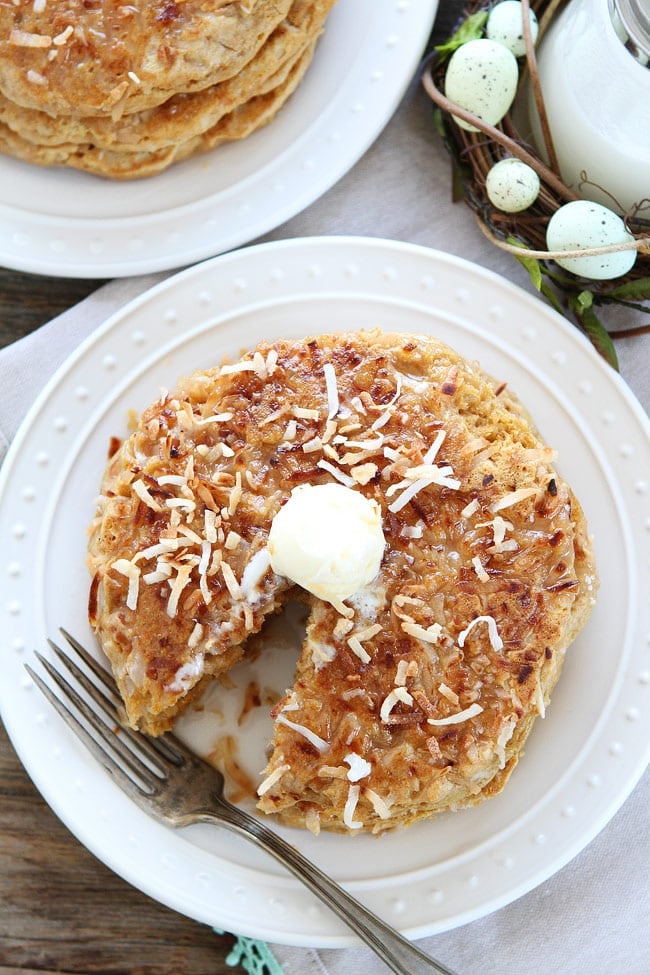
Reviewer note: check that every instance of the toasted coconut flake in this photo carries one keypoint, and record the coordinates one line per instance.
(342, 627)
(357, 648)
(36, 78)
(480, 571)
(271, 361)
(333, 772)
(312, 445)
(61, 38)
(396, 695)
(185, 504)
(401, 673)
(162, 572)
(272, 778)
(230, 368)
(319, 743)
(290, 431)
(182, 578)
(332, 390)
(339, 475)
(132, 573)
(302, 413)
(164, 547)
(210, 523)
(350, 808)
(363, 473)
(232, 541)
(140, 488)
(430, 634)
(196, 635)
(514, 497)
(359, 767)
(449, 694)
(457, 718)
(255, 571)
(235, 495)
(470, 509)
(377, 803)
(22, 38)
(493, 633)
(229, 578)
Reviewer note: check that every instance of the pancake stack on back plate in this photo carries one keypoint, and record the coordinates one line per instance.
(124, 90)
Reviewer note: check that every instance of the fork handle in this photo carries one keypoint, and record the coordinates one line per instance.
(399, 954)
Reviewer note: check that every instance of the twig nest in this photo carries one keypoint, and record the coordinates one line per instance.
(482, 78)
(582, 224)
(505, 25)
(512, 185)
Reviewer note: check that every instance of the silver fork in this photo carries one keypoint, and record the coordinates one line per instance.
(171, 784)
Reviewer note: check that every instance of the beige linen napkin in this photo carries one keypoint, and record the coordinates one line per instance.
(592, 916)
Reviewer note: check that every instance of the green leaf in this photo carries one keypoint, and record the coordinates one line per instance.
(439, 124)
(552, 298)
(470, 30)
(632, 290)
(598, 334)
(584, 300)
(533, 268)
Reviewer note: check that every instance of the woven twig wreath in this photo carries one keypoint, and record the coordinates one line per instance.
(523, 234)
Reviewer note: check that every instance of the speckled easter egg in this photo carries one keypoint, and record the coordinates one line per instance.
(581, 224)
(482, 78)
(505, 26)
(511, 185)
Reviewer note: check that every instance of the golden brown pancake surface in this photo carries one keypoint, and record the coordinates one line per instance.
(418, 694)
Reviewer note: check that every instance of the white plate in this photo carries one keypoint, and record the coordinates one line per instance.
(71, 224)
(581, 761)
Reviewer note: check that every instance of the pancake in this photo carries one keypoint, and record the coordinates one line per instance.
(417, 693)
(116, 164)
(183, 115)
(87, 57)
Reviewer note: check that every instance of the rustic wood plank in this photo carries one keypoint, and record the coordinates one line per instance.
(63, 911)
(29, 300)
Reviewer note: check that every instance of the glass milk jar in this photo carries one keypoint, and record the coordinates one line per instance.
(595, 79)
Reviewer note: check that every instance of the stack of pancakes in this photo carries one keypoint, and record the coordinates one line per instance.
(123, 90)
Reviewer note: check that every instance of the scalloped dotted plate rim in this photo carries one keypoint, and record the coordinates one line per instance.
(581, 761)
(70, 224)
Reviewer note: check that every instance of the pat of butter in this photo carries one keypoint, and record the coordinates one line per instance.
(328, 539)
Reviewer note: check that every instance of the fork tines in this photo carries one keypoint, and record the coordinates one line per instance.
(135, 759)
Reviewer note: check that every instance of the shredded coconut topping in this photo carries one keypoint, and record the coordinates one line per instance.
(272, 778)
(350, 807)
(319, 743)
(457, 718)
(396, 695)
(359, 767)
(332, 390)
(493, 633)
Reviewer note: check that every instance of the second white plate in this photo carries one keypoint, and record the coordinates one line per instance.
(580, 762)
(70, 224)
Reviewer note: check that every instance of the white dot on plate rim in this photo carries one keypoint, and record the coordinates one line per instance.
(61, 424)
(42, 459)
(19, 530)
(13, 570)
